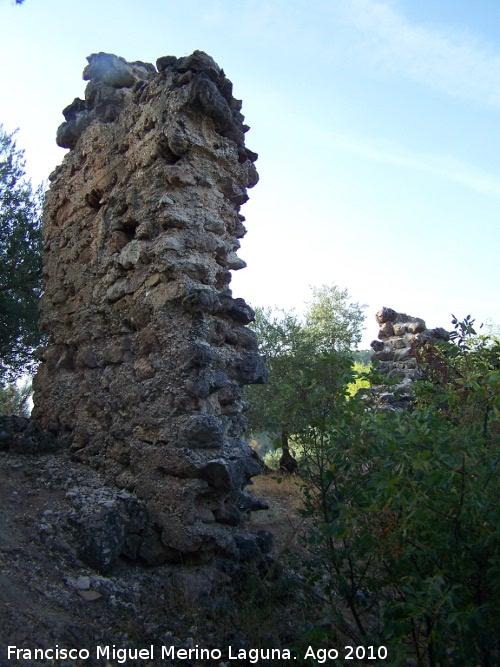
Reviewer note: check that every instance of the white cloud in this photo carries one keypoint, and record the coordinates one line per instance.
(442, 166)
(451, 61)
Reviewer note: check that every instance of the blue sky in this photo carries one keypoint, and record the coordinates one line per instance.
(376, 123)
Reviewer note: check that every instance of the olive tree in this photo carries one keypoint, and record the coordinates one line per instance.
(20, 262)
(295, 348)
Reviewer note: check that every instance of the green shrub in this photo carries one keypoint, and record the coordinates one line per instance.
(403, 511)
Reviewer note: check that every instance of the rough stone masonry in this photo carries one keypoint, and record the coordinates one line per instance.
(400, 338)
(148, 350)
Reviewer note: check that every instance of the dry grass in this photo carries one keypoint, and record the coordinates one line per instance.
(283, 517)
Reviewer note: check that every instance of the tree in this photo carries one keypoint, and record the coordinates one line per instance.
(287, 347)
(333, 321)
(14, 399)
(20, 262)
(296, 350)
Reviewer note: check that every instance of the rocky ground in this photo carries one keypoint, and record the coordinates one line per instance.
(50, 596)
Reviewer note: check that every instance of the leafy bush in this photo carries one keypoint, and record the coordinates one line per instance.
(403, 509)
(360, 380)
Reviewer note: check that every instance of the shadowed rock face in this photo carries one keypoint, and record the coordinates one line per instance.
(148, 350)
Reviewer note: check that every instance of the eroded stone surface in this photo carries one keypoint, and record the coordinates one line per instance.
(148, 349)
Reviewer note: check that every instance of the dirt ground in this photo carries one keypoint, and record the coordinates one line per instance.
(283, 518)
(48, 597)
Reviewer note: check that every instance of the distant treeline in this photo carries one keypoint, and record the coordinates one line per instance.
(363, 356)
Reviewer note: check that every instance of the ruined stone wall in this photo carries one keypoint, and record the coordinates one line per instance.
(400, 337)
(148, 350)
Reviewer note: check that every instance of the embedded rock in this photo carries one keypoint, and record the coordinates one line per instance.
(19, 435)
(148, 350)
(106, 524)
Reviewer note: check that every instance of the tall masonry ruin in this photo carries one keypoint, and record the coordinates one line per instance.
(396, 351)
(148, 350)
